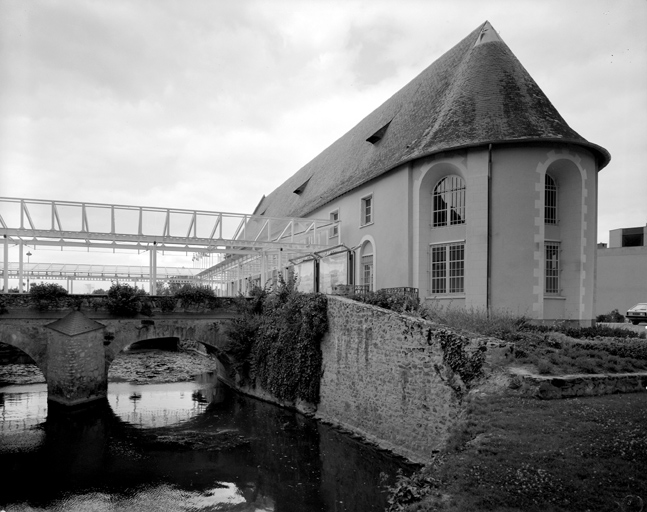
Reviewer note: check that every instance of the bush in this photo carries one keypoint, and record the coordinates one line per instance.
(402, 303)
(124, 300)
(47, 296)
(195, 295)
(167, 303)
(498, 324)
(612, 317)
(599, 331)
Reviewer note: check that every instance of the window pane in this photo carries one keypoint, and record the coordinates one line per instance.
(552, 268)
(456, 268)
(334, 217)
(367, 210)
(438, 270)
(447, 268)
(550, 201)
(367, 270)
(449, 202)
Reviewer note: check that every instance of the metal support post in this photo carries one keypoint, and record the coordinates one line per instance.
(153, 270)
(5, 286)
(263, 269)
(20, 268)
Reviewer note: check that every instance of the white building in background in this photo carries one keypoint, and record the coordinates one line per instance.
(466, 184)
(622, 271)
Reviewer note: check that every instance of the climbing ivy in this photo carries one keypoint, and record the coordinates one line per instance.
(468, 366)
(276, 342)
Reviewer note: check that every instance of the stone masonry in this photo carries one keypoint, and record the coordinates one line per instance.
(384, 378)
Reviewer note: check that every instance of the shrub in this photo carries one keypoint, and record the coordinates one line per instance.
(167, 303)
(124, 300)
(612, 317)
(195, 295)
(399, 302)
(47, 295)
(498, 324)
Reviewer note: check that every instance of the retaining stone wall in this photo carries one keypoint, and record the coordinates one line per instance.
(568, 386)
(384, 378)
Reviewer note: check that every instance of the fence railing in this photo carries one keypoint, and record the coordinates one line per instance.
(402, 290)
(360, 289)
(350, 289)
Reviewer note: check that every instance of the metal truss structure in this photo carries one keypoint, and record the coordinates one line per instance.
(38, 222)
(72, 272)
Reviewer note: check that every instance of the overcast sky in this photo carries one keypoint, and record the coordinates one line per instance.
(211, 104)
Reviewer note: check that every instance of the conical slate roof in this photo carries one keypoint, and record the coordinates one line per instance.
(74, 324)
(475, 94)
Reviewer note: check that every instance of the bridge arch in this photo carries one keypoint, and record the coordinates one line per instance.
(210, 334)
(27, 342)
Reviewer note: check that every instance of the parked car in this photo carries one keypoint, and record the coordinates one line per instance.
(637, 313)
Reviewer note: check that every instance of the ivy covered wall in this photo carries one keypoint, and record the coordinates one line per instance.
(397, 380)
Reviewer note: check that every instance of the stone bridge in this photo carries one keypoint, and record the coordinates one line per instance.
(74, 349)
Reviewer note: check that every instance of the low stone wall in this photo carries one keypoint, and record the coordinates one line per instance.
(568, 386)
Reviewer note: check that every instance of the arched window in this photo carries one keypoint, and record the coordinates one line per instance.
(366, 266)
(448, 202)
(550, 201)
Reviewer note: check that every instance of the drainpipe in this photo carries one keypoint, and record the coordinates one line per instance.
(488, 294)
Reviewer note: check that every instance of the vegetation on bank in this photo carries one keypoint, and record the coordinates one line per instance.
(528, 455)
(276, 341)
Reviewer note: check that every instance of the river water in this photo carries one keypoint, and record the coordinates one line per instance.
(188, 446)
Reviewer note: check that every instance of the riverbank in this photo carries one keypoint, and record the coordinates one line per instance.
(523, 454)
(138, 366)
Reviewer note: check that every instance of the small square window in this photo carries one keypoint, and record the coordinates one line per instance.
(367, 210)
(334, 231)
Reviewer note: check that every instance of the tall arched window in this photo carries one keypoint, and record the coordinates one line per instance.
(366, 267)
(448, 202)
(550, 201)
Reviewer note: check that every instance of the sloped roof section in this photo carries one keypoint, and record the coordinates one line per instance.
(477, 93)
(74, 324)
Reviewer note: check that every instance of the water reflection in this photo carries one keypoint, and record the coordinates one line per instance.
(256, 457)
(162, 405)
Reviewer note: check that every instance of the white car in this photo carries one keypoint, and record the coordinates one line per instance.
(637, 313)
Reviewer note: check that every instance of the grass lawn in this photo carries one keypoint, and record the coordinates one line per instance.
(524, 454)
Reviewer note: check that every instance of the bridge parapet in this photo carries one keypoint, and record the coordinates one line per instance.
(15, 304)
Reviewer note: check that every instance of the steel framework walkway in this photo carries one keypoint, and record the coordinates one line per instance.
(39, 222)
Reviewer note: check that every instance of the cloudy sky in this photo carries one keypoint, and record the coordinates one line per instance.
(211, 104)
